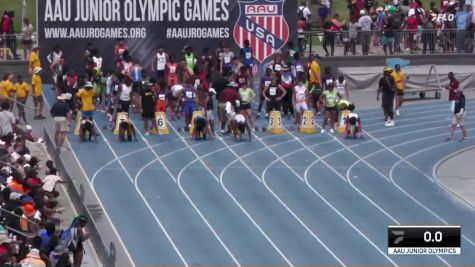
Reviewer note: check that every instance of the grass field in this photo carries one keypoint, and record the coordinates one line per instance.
(16, 5)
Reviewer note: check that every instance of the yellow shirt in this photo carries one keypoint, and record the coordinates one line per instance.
(399, 78)
(21, 89)
(34, 60)
(87, 99)
(37, 85)
(5, 88)
(314, 72)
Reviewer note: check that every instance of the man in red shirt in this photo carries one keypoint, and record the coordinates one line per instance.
(119, 48)
(412, 27)
(453, 88)
(229, 94)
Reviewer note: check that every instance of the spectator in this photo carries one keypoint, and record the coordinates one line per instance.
(27, 37)
(331, 26)
(7, 250)
(304, 13)
(323, 11)
(388, 34)
(412, 29)
(55, 55)
(429, 34)
(21, 90)
(34, 60)
(33, 259)
(37, 85)
(6, 87)
(301, 27)
(397, 22)
(7, 120)
(364, 24)
(462, 17)
(62, 118)
(59, 257)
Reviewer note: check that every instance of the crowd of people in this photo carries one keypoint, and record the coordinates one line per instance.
(30, 232)
(221, 82)
(395, 26)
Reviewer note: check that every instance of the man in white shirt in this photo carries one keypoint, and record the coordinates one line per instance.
(159, 64)
(7, 120)
(49, 184)
(304, 12)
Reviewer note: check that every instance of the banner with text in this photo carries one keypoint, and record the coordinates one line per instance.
(147, 24)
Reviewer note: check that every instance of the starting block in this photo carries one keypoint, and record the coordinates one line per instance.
(308, 123)
(195, 113)
(78, 123)
(121, 116)
(161, 126)
(275, 123)
(341, 122)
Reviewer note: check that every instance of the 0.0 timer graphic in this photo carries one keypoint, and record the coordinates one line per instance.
(424, 240)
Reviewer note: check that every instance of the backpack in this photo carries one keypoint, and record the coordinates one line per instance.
(300, 14)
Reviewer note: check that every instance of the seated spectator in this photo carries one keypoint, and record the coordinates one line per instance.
(33, 259)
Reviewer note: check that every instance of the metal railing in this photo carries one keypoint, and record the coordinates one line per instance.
(33, 227)
(386, 42)
(16, 46)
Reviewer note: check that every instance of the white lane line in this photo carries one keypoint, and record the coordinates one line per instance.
(132, 153)
(363, 194)
(284, 205)
(157, 220)
(409, 125)
(436, 177)
(210, 227)
(114, 229)
(398, 156)
(413, 107)
(413, 198)
(414, 116)
(281, 158)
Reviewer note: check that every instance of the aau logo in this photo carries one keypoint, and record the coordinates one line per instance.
(262, 22)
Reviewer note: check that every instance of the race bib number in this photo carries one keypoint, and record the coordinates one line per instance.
(189, 94)
(299, 68)
(161, 96)
(242, 80)
(248, 55)
(197, 82)
(266, 83)
(273, 91)
(172, 69)
(329, 81)
(227, 60)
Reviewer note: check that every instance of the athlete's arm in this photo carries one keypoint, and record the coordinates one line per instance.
(284, 92)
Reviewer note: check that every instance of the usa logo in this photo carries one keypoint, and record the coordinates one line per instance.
(262, 23)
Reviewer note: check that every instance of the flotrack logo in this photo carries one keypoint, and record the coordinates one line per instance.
(262, 23)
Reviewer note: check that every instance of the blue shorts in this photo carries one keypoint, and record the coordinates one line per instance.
(189, 107)
(88, 114)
